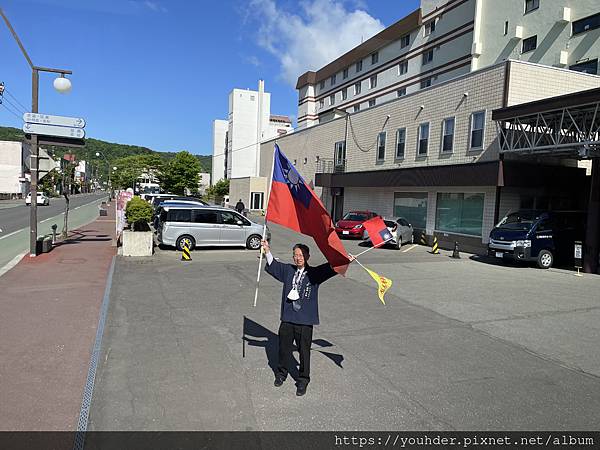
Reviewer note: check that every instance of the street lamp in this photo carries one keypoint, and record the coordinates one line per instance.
(107, 163)
(62, 85)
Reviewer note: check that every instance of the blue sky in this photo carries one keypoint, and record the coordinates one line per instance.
(158, 72)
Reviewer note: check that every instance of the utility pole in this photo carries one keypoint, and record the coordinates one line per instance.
(33, 141)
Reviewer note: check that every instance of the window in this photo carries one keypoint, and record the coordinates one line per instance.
(345, 73)
(505, 28)
(531, 5)
(428, 57)
(322, 85)
(412, 206)
(229, 218)
(401, 92)
(448, 135)
(586, 24)
(402, 67)
(381, 146)
(529, 44)
(356, 108)
(344, 94)
(180, 215)
(321, 103)
(257, 200)
(429, 27)
(405, 41)
(332, 99)
(400, 142)
(372, 103)
(373, 82)
(340, 153)
(332, 79)
(586, 67)
(374, 58)
(359, 66)
(357, 87)
(423, 139)
(477, 128)
(252, 98)
(204, 216)
(425, 83)
(459, 213)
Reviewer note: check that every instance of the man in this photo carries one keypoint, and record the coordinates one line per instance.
(299, 309)
(239, 206)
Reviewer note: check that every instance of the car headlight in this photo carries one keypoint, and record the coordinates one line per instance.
(358, 226)
(525, 243)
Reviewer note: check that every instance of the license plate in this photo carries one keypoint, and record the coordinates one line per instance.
(345, 232)
(499, 255)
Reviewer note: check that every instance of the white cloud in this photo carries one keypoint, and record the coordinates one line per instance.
(253, 60)
(154, 6)
(325, 30)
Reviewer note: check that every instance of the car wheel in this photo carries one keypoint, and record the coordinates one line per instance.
(187, 241)
(253, 242)
(545, 259)
(398, 243)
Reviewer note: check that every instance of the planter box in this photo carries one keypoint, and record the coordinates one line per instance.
(137, 243)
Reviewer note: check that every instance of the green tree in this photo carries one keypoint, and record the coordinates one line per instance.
(131, 167)
(180, 173)
(138, 213)
(219, 189)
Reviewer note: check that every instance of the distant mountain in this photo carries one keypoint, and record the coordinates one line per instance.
(110, 150)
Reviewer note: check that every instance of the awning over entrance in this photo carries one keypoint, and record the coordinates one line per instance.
(567, 125)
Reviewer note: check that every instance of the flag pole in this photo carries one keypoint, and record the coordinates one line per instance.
(374, 246)
(264, 232)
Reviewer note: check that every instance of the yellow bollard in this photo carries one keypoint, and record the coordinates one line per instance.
(423, 239)
(434, 249)
(186, 254)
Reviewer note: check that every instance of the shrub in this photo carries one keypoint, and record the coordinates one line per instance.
(138, 213)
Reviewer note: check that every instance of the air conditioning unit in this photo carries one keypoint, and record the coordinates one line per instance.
(563, 58)
(517, 33)
(564, 14)
(476, 49)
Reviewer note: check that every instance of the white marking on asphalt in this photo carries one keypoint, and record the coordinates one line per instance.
(51, 218)
(13, 233)
(13, 262)
(409, 248)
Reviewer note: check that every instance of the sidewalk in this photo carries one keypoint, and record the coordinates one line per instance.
(50, 306)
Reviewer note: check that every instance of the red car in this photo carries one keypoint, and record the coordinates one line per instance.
(351, 225)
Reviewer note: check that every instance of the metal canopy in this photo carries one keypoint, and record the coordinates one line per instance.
(568, 126)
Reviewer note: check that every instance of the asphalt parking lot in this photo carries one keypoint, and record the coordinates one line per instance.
(460, 344)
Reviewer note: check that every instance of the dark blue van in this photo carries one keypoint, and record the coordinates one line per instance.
(537, 235)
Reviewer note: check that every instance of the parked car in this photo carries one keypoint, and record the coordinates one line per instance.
(537, 235)
(157, 211)
(164, 197)
(401, 230)
(42, 199)
(351, 224)
(197, 226)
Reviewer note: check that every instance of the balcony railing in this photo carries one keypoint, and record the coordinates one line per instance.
(331, 166)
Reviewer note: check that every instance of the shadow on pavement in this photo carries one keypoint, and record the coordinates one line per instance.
(270, 342)
(77, 237)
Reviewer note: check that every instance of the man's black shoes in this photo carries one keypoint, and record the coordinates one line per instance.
(278, 381)
(301, 389)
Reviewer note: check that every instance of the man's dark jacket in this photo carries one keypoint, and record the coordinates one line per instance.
(239, 207)
(308, 291)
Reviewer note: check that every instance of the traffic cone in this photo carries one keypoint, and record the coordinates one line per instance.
(423, 239)
(455, 253)
(185, 253)
(434, 248)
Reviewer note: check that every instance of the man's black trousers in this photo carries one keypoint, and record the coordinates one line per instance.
(302, 334)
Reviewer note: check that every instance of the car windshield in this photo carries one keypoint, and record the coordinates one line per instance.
(518, 221)
(355, 216)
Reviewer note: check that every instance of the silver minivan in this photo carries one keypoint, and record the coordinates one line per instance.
(197, 226)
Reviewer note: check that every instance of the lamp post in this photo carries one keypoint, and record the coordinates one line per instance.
(62, 85)
(107, 163)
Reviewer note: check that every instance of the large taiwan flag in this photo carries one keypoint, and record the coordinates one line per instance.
(294, 205)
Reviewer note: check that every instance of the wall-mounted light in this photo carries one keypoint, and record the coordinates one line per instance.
(305, 160)
(421, 107)
(466, 94)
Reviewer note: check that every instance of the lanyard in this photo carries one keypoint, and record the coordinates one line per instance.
(298, 277)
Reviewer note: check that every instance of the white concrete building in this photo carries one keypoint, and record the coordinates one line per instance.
(219, 138)
(447, 38)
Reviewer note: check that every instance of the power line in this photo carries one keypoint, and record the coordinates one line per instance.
(15, 99)
(14, 106)
(11, 111)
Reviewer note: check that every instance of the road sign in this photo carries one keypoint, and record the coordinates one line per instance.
(54, 130)
(45, 119)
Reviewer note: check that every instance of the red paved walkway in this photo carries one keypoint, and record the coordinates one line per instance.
(49, 308)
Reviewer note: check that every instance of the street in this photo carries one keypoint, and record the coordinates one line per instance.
(460, 344)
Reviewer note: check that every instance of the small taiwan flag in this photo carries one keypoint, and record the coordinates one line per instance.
(378, 231)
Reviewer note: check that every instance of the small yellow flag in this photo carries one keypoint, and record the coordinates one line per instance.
(383, 284)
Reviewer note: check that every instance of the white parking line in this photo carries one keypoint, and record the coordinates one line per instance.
(409, 248)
